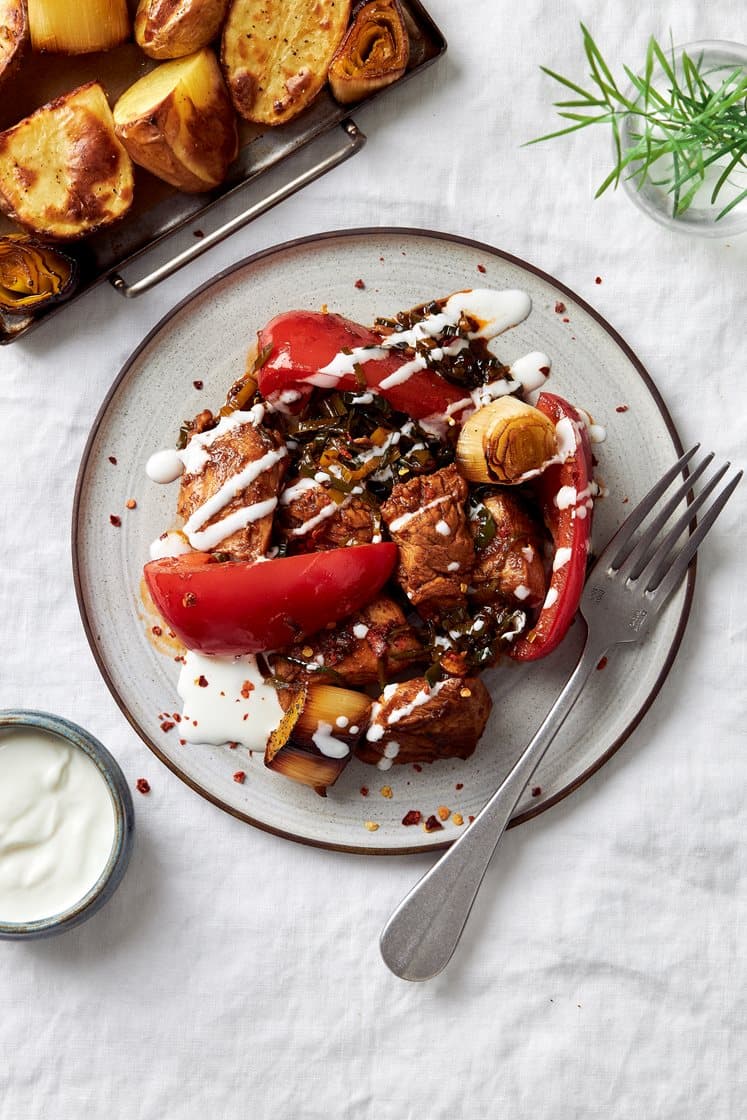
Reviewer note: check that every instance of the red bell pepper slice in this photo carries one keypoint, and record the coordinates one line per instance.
(236, 607)
(570, 529)
(300, 343)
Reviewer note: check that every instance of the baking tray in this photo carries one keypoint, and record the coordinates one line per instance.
(158, 209)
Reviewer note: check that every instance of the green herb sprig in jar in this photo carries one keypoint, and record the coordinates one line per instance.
(680, 127)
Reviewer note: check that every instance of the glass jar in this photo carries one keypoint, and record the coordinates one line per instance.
(715, 60)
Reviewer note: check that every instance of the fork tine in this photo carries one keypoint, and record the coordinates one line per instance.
(658, 564)
(634, 564)
(681, 562)
(619, 547)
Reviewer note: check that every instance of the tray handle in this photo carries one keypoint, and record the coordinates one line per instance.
(353, 141)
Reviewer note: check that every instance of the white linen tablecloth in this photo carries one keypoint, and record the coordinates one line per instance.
(234, 974)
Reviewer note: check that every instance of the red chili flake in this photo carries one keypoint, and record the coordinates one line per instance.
(116, 521)
(470, 818)
(622, 408)
(189, 599)
(597, 279)
(481, 268)
(234, 746)
(113, 460)
(545, 370)
(359, 284)
(536, 791)
(131, 503)
(180, 657)
(566, 319)
(417, 766)
(182, 742)
(364, 791)
(246, 715)
(559, 307)
(202, 681)
(246, 688)
(413, 817)
(433, 824)
(602, 664)
(197, 233)
(142, 785)
(625, 501)
(239, 777)
(166, 725)
(156, 630)
(459, 785)
(176, 717)
(197, 384)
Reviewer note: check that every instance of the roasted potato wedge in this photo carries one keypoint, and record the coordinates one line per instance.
(276, 56)
(78, 26)
(63, 172)
(14, 35)
(179, 123)
(173, 28)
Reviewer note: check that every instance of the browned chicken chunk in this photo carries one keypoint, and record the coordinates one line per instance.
(375, 640)
(237, 483)
(426, 518)
(313, 518)
(414, 722)
(512, 564)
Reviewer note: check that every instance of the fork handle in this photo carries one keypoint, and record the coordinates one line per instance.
(423, 932)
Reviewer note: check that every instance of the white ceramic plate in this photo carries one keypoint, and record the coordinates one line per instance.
(206, 339)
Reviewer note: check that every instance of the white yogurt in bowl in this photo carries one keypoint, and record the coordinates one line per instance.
(65, 824)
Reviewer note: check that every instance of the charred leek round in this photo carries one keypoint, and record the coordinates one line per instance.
(32, 274)
(373, 54)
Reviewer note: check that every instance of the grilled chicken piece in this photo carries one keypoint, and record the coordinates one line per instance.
(414, 722)
(426, 518)
(229, 455)
(317, 518)
(376, 638)
(512, 564)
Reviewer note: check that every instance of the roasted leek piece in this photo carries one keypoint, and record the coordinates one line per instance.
(505, 442)
(179, 123)
(77, 26)
(373, 54)
(315, 738)
(164, 29)
(32, 274)
(14, 35)
(63, 172)
(276, 56)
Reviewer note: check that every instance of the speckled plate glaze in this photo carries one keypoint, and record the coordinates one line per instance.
(205, 339)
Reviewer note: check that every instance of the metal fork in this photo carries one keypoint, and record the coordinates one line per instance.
(632, 580)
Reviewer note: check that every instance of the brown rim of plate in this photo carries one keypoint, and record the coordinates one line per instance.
(392, 231)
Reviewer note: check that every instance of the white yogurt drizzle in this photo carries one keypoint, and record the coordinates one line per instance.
(442, 528)
(324, 741)
(219, 708)
(405, 518)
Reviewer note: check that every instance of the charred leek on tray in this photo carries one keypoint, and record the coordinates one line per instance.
(78, 26)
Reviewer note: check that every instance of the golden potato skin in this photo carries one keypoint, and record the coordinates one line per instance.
(63, 172)
(173, 28)
(187, 142)
(276, 55)
(14, 35)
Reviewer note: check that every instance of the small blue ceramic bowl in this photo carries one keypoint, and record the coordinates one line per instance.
(124, 816)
